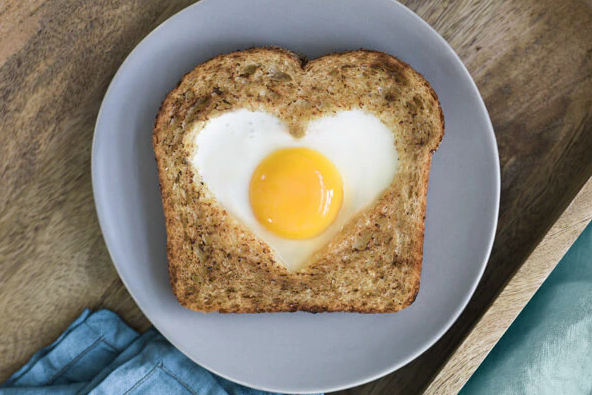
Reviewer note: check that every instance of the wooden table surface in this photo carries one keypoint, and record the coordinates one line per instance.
(531, 59)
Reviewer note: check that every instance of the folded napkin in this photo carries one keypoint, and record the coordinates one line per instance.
(548, 349)
(100, 354)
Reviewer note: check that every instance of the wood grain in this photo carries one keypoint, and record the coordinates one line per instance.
(532, 61)
(515, 295)
(53, 261)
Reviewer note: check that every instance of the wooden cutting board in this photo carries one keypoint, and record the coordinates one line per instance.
(531, 59)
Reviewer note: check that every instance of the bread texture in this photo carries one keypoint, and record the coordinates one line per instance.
(373, 264)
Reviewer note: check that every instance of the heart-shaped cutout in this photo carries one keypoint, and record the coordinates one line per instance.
(217, 262)
(228, 149)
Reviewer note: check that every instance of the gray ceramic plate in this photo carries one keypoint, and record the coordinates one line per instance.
(297, 352)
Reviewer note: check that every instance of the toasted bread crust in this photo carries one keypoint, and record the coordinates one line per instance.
(374, 264)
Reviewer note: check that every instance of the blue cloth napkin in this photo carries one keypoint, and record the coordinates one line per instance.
(548, 349)
(100, 354)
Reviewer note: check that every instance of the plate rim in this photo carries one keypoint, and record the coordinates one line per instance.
(490, 136)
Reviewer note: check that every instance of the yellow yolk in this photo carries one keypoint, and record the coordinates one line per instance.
(296, 193)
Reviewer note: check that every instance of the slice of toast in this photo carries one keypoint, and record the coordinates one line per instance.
(373, 264)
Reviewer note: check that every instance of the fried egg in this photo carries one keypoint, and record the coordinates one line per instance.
(295, 193)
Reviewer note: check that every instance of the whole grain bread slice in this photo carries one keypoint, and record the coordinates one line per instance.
(373, 264)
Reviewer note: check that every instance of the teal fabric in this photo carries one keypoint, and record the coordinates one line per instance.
(100, 354)
(548, 348)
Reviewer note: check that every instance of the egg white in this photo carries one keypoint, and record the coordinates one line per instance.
(231, 146)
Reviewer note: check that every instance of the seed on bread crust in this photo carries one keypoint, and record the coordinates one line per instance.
(373, 265)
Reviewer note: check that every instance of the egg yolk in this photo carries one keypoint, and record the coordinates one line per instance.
(296, 193)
